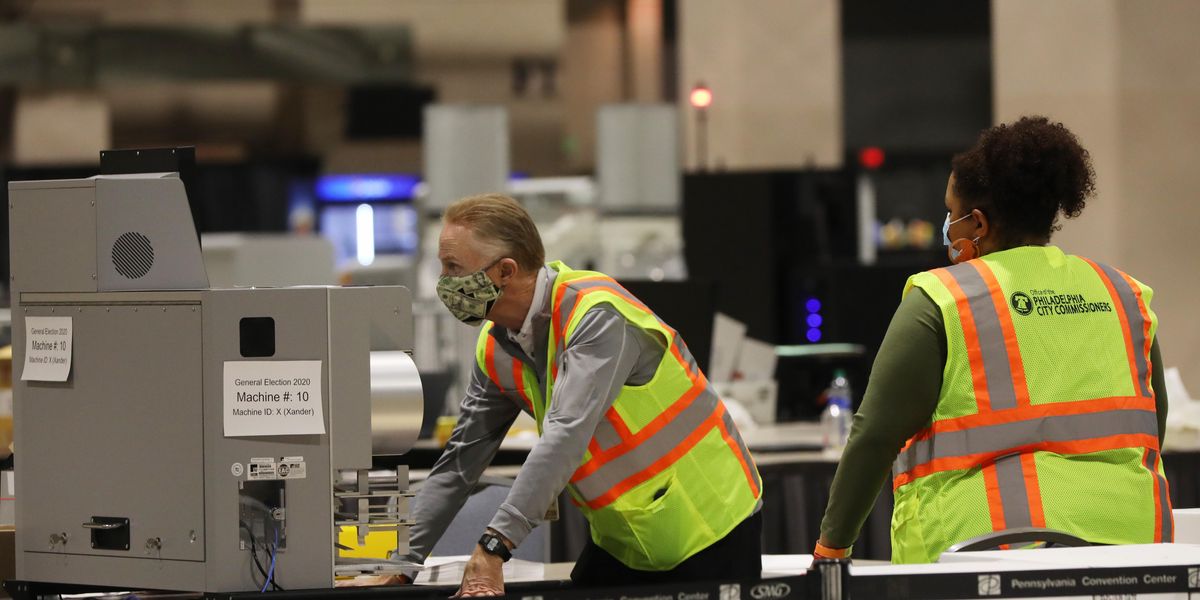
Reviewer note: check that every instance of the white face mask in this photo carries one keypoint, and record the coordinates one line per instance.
(946, 227)
(955, 251)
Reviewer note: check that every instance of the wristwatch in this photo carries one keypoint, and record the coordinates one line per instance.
(492, 544)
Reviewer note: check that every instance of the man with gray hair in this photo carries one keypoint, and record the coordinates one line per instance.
(628, 423)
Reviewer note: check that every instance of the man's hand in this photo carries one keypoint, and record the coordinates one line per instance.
(483, 575)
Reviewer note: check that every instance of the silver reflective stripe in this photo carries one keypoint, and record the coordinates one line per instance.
(1005, 436)
(745, 452)
(690, 360)
(1013, 497)
(606, 435)
(1001, 393)
(671, 436)
(571, 293)
(502, 362)
(1164, 502)
(570, 297)
(562, 307)
(506, 379)
(1133, 315)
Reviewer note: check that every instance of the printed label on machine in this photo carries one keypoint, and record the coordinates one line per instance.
(288, 467)
(291, 467)
(48, 343)
(261, 468)
(273, 398)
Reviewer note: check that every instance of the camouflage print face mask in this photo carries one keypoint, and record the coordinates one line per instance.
(469, 297)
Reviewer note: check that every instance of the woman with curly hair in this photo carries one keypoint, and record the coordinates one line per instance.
(1020, 387)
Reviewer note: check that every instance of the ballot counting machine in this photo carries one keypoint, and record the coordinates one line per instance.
(172, 436)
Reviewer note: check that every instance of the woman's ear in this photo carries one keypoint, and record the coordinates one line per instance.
(982, 225)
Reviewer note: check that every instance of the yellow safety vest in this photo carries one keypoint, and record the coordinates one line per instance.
(1046, 416)
(666, 473)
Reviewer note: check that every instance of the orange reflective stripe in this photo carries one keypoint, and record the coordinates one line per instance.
(618, 291)
(1010, 437)
(1112, 291)
(663, 462)
(618, 423)
(687, 366)
(617, 483)
(1034, 490)
(995, 505)
(597, 283)
(556, 316)
(599, 459)
(606, 284)
(630, 440)
(1164, 519)
(737, 452)
(1147, 341)
(556, 321)
(954, 463)
(974, 352)
(1149, 463)
(1037, 411)
(1015, 364)
(489, 359)
(1168, 521)
(518, 373)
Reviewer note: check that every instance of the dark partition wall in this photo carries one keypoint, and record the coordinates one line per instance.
(916, 77)
(746, 231)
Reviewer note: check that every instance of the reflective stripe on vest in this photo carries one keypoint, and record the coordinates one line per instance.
(996, 369)
(1005, 432)
(1163, 518)
(569, 294)
(1064, 427)
(510, 377)
(1014, 480)
(621, 459)
(1135, 322)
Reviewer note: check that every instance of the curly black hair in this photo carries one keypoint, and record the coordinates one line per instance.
(1022, 174)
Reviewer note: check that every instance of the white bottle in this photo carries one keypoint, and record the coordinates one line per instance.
(835, 420)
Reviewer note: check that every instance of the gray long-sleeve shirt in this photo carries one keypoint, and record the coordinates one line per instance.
(604, 353)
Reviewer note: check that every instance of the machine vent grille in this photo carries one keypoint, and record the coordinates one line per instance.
(132, 255)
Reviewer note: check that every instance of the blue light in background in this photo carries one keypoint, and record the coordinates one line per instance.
(357, 188)
(813, 319)
(364, 187)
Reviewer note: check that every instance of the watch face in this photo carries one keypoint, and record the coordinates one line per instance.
(492, 543)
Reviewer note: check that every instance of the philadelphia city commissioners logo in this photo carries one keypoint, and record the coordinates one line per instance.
(1021, 302)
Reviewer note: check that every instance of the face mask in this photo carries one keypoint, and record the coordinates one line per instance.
(470, 297)
(946, 227)
(962, 249)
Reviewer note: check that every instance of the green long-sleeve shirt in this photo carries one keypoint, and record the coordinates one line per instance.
(901, 396)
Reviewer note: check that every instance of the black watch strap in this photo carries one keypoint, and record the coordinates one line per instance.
(492, 544)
